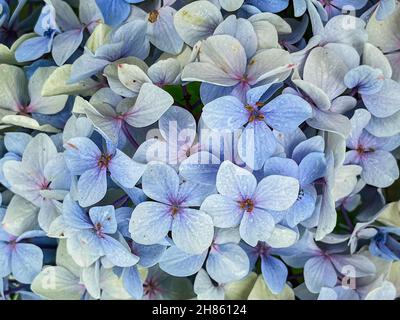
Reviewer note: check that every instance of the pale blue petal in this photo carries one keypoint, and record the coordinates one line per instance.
(256, 144)
(132, 282)
(385, 102)
(5, 259)
(160, 182)
(314, 144)
(303, 208)
(92, 186)
(181, 264)
(192, 230)
(178, 123)
(270, 6)
(274, 272)
(201, 167)
(318, 273)
(86, 66)
(134, 39)
(286, 112)
(124, 170)
(363, 266)
(276, 193)
(114, 11)
(65, 44)
(162, 33)
(256, 226)
(235, 182)
(242, 30)
(227, 262)
(81, 154)
(149, 255)
(74, 216)
(16, 142)
(379, 169)
(281, 166)
(192, 194)
(105, 216)
(117, 253)
(312, 167)
(331, 122)
(26, 262)
(210, 92)
(33, 49)
(150, 222)
(365, 79)
(225, 113)
(225, 212)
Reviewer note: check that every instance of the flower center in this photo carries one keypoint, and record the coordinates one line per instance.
(175, 210)
(98, 228)
(262, 249)
(153, 16)
(45, 185)
(150, 288)
(247, 205)
(48, 33)
(104, 160)
(361, 150)
(13, 244)
(254, 112)
(24, 110)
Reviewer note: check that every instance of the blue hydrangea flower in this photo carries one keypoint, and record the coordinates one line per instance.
(178, 132)
(244, 203)
(22, 96)
(372, 153)
(129, 40)
(18, 257)
(380, 95)
(321, 268)
(149, 255)
(225, 261)
(113, 122)
(46, 29)
(59, 30)
(311, 168)
(192, 229)
(15, 143)
(41, 177)
(284, 113)
(385, 244)
(223, 64)
(85, 159)
(95, 230)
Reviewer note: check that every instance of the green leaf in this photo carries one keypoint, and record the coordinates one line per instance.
(187, 96)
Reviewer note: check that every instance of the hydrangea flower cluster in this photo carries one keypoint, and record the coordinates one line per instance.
(221, 149)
